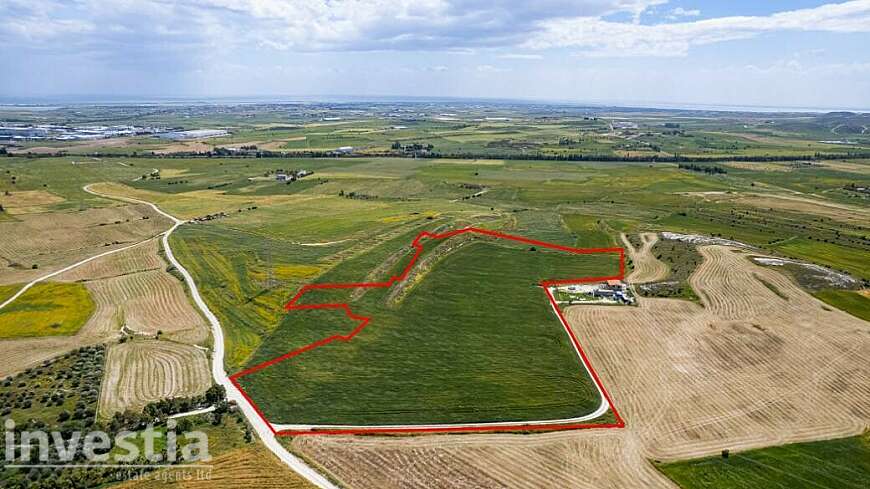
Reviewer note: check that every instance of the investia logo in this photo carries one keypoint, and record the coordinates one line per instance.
(41, 448)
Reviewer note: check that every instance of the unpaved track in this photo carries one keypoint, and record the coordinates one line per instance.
(217, 362)
(647, 268)
(23, 353)
(748, 370)
(53, 240)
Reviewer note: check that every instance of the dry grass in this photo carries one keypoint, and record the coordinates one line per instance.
(27, 201)
(54, 240)
(129, 287)
(132, 289)
(793, 203)
(143, 371)
(749, 369)
(253, 467)
(646, 267)
(24, 353)
(185, 146)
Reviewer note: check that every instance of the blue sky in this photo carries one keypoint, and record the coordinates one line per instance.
(800, 53)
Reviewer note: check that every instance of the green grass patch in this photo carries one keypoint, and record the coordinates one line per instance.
(46, 309)
(474, 340)
(682, 258)
(842, 463)
(591, 231)
(853, 302)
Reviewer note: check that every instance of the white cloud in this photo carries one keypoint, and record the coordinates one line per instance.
(490, 69)
(312, 25)
(680, 12)
(603, 38)
(520, 56)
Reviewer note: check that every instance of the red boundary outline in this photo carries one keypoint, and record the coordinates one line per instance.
(364, 321)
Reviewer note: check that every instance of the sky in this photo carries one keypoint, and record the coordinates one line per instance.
(770, 53)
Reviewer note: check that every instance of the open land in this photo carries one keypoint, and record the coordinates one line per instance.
(736, 374)
(445, 372)
(720, 352)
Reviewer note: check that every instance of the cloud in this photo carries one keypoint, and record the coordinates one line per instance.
(490, 69)
(299, 25)
(680, 12)
(520, 56)
(599, 38)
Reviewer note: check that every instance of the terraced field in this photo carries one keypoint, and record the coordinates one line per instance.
(140, 371)
(749, 369)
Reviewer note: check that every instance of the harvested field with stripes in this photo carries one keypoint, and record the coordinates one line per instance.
(143, 371)
(647, 268)
(251, 466)
(134, 294)
(129, 288)
(133, 290)
(762, 363)
(54, 240)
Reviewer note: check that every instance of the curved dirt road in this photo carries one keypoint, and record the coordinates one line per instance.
(647, 268)
(217, 364)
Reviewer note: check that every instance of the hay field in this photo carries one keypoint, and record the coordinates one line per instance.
(27, 201)
(252, 466)
(133, 290)
(749, 369)
(129, 287)
(54, 240)
(647, 268)
(143, 371)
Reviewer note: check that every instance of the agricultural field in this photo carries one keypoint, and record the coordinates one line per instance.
(141, 371)
(746, 240)
(242, 467)
(444, 372)
(47, 309)
(735, 374)
(842, 463)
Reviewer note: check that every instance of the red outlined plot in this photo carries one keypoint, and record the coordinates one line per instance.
(363, 321)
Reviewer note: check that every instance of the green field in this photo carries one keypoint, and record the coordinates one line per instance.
(46, 309)
(843, 463)
(473, 340)
(853, 302)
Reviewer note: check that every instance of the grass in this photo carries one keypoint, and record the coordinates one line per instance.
(842, 463)
(46, 309)
(854, 302)
(682, 259)
(591, 232)
(474, 340)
